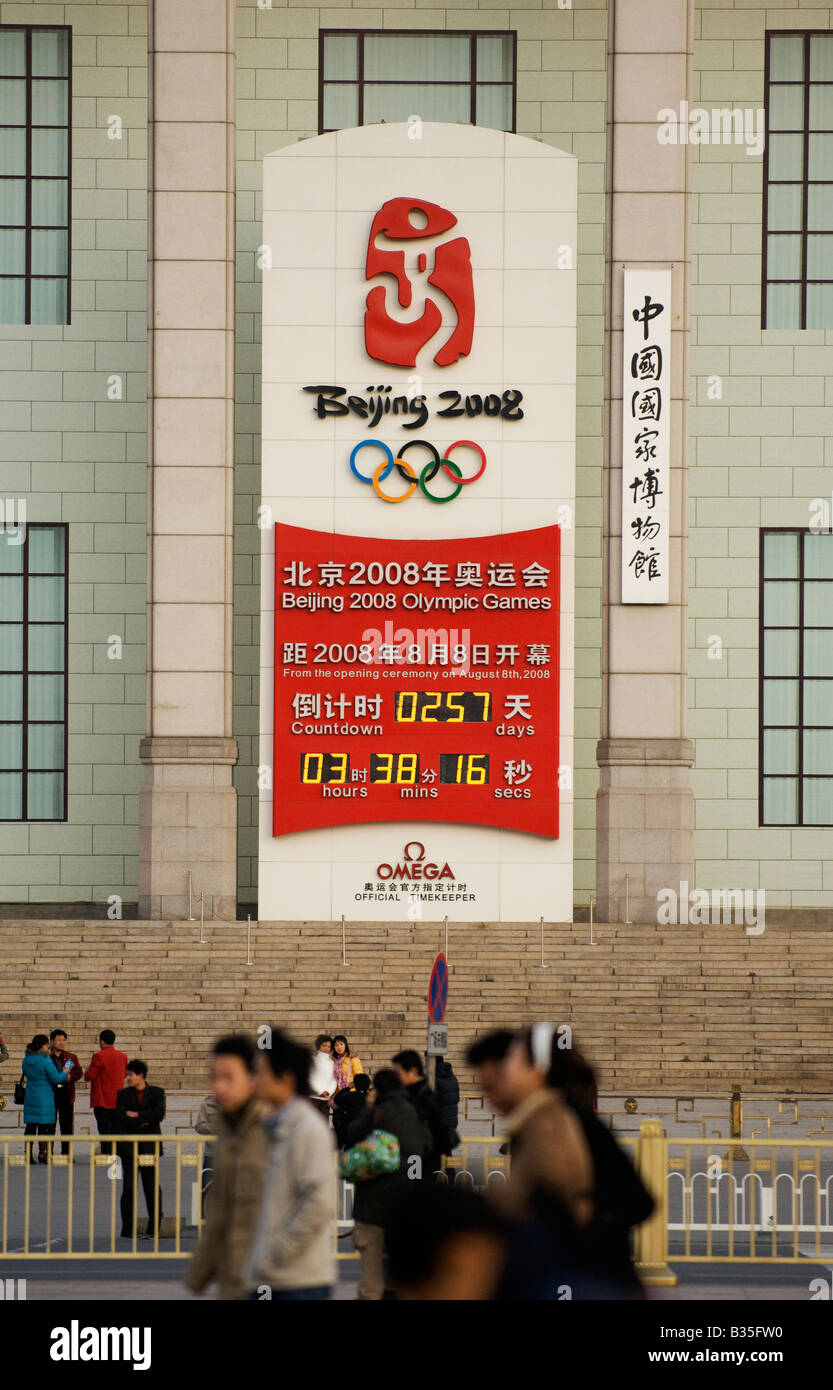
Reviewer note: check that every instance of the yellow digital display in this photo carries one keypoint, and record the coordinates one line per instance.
(400, 768)
(324, 767)
(443, 706)
(464, 769)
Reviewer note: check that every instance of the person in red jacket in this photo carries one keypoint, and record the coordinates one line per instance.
(106, 1076)
(68, 1063)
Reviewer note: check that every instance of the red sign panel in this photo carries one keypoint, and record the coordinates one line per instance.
(416, 680)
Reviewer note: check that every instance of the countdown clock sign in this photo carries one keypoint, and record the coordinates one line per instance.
(417, 524)
(416, 679)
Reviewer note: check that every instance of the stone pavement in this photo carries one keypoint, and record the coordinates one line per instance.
(158, 1281)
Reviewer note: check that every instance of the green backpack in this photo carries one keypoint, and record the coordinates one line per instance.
(375, 1156)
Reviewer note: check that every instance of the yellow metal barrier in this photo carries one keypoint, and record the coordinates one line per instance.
(769, 1202)
(69, 1207)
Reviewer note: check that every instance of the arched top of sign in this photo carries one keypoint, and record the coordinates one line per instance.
(432, 138)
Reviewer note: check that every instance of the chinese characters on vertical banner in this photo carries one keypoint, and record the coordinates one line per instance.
(646, 423)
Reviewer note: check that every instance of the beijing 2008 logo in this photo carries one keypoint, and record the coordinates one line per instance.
(397, 341)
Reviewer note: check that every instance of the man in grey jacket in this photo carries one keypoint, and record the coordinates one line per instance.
(293, 1252)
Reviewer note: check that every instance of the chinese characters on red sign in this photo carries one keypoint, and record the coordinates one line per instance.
(646, 423)
(416, 680)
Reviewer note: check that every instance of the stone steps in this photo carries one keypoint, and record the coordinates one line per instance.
(655, 1008)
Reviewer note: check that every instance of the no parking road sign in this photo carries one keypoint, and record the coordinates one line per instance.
(438, 990)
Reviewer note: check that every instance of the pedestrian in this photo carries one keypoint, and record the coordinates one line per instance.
(409, 1068)
(348, 1105)
(322, 1076)
(106, 1076)
(139, 1109)
(292, 1254)
(345, 1066)
(4, 1057)
(42, 1077)
(549, 1191)
(445, 1245)
(620, 1199)
(447, 1088)
(549, 1153)
(208, 1122)
(68, 1063)
(391, 1111)
(239, 1162)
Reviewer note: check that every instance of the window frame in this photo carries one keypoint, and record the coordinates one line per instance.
(471, 81)
(28, 30)
(804, 183)
(800, 727)
(24, 721)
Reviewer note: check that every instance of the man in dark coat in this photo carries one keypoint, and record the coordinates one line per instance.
(140, 1109)
(448, 1099)
(374, 1198)
(68, 1063)
(409, 1069)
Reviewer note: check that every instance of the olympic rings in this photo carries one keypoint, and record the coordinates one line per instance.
(377, 443)
(407, 473)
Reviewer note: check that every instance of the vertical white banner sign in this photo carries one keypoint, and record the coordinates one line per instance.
(646, 425)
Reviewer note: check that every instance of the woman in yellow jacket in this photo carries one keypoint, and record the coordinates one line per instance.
(346, 1067)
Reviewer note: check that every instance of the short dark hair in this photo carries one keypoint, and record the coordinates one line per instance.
(408, 1060)
(361, 1081)
(107, 1036)
(57, 1033)
(138, 1066)
(285, 1055)
(322, 1038)
(492, 1047)
(385, 1081)
(424, 1218)
(339, 1037)
(236, 1045)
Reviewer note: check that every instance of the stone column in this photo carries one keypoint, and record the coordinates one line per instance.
(645, 806)
(188, 808)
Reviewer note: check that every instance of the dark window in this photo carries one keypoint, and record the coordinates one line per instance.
(35, 128)
(33, 672)
(372, 75)
(797, 282)
(796, 678)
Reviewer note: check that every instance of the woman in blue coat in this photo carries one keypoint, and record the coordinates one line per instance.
(42, 1076)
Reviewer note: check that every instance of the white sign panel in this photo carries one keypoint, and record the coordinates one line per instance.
(458, 327)
(646, 426)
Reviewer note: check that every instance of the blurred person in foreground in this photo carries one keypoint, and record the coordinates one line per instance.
(238, 1161)
(292, 1254)
(596, 1249)
(390, 1110)
(445, 1245)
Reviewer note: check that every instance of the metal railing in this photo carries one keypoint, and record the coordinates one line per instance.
(761, 1201)
(69, 1206)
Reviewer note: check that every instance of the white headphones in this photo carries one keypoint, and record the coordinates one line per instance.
(541, 1042)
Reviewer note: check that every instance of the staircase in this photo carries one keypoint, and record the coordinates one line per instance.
(655, 1008)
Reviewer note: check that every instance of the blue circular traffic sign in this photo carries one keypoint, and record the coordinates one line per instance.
(438, 990)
